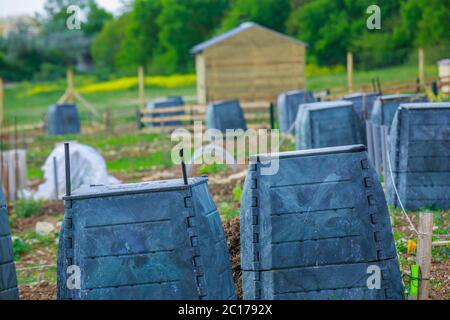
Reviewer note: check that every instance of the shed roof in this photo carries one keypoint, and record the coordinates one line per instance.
(244, 26)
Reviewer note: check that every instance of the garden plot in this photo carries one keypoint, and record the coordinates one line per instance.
(126, 153)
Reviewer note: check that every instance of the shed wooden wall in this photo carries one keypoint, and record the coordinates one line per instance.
(253, 65)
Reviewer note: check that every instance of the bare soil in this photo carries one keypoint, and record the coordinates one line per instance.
(232, 233)
(49, 211)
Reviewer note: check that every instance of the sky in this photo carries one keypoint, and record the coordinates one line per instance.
(29, 7)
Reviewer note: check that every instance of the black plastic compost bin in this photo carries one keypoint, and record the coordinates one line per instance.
(8, 279)
(162, 104)
(317, 228)
(419, 154)
(225, 115)
(327, 124)
(363, 105)
(385, 107)
(63, 119)
(154, 240)
(288, 106)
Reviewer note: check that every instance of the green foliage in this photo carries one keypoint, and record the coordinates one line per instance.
(20, 247)
(141, 35)
(96, 19)
(184, 24)
(237, 193)
(25, 208)
(212, 168)
(272, 14)
(158, 34)
(228, 210)
(107, 44)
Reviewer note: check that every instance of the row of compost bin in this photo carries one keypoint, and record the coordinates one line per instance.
(8, 281)
(311, 231)
(318, 228)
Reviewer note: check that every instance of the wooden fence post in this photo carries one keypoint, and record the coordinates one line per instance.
(70, 86)
(141, 88)
(350, 71)
(2, 97)
(422, 66)
(424, 253)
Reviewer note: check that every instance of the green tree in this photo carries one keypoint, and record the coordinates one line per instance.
(96, 19)
(182, 25)
(107, 43)
(270, 13)
(141, 35)
(325, 26)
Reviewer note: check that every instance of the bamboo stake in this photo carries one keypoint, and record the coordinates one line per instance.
(141, 87)
(350, 71)
(422, 66)
(424, 253)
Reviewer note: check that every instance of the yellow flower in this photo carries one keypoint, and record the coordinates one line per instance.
(43, 88)
(112, 85)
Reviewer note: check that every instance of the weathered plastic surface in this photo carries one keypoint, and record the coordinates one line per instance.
(419, 150)
(168, 102)
(63, 119)
(8, 280)
(362, 102)
(288, 106)
(225, 115)
(312, 230)
(363, 105)
(155, 240)
(327, 124)
(386, 106)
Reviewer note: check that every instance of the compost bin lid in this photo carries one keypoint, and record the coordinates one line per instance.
(425, 105)
(97, 191)
(306, 153)
(294, 92)
(361, 94)
(398, 96)
(327, 104)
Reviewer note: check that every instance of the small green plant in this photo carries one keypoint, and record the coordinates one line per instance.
(228, 210)
(20, 247)
(25, 208)
(237, 193)
(212, 168)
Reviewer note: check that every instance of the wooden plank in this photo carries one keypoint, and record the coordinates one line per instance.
(440, 243)
(422, 66)
(350, 71)
(424, 253)
(70, 86)
(242, 63)
(141, 78)
(201, 77)
(181, 117)
(162, 110)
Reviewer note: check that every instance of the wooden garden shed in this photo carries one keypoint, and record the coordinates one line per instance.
(250, 63)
